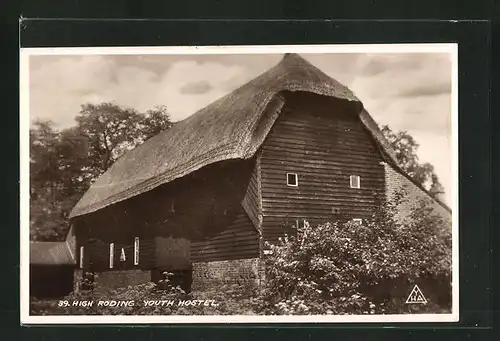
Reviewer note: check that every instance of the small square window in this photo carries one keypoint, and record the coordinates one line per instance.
(355, 181)
(335, 210)
(292, 179)
(358, 221)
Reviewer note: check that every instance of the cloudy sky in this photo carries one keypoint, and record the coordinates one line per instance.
(407, 91)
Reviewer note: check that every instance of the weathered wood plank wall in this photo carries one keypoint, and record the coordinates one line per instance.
(204, 208)
(323, 142)
(96, 255)
(239, 240)
(221, 208)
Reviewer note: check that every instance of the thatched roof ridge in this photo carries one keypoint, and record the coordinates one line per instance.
(232, 127)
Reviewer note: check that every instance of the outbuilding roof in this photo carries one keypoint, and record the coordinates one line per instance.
(51, 253)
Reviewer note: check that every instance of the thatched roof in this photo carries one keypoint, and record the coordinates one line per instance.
(51, 253)
(233, 127)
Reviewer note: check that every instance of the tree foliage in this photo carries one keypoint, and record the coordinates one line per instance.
(111, 130)
(406, 148)
(354, 269)
(339, 268)
(64, 163)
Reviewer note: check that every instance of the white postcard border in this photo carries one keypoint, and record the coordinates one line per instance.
(25, 54)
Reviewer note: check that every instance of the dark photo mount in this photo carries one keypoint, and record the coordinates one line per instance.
(474, 75)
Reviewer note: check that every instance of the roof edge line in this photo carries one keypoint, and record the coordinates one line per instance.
(156, 181)
(249, 150)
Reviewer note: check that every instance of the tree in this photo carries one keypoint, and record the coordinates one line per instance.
(63, 164)
(43, 154)
(111, 130)
(406, 148)
(46, 221)
(155, 121)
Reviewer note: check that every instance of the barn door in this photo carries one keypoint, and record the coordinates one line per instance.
(173, 253)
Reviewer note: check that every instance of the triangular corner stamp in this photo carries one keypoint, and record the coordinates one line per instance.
(416, 296)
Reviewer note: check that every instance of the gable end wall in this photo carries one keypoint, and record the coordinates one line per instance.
(395, 182)
(324, 142)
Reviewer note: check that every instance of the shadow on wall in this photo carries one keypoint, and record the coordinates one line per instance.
(51, 281)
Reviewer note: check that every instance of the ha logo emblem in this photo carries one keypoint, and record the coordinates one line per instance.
(416, 296)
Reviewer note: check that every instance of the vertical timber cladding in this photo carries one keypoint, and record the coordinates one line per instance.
(207, 213)
(239, 241)
(199, 217)
(323, 141)
(119, 225)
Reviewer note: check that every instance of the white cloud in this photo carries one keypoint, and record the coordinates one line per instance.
(410, 93)
(59, 86)
(181, 105)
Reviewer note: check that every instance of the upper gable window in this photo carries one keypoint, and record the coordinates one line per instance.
(355, 181)
(292, 179)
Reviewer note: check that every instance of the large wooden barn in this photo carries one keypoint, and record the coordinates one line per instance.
(202, 197)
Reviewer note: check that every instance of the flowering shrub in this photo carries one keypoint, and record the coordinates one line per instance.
(367, 268)
(335, 268)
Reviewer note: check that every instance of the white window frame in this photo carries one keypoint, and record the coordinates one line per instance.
(81, 257)
(296, 180)
(352, 181)
(136, 251)
(111, 255)
(357, 220)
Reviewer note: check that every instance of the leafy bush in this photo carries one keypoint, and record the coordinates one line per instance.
(361, 269)
(335, 268)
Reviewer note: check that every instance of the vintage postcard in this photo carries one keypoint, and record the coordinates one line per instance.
(239, 184)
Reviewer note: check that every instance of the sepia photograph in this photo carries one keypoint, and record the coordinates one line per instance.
(239, 184)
